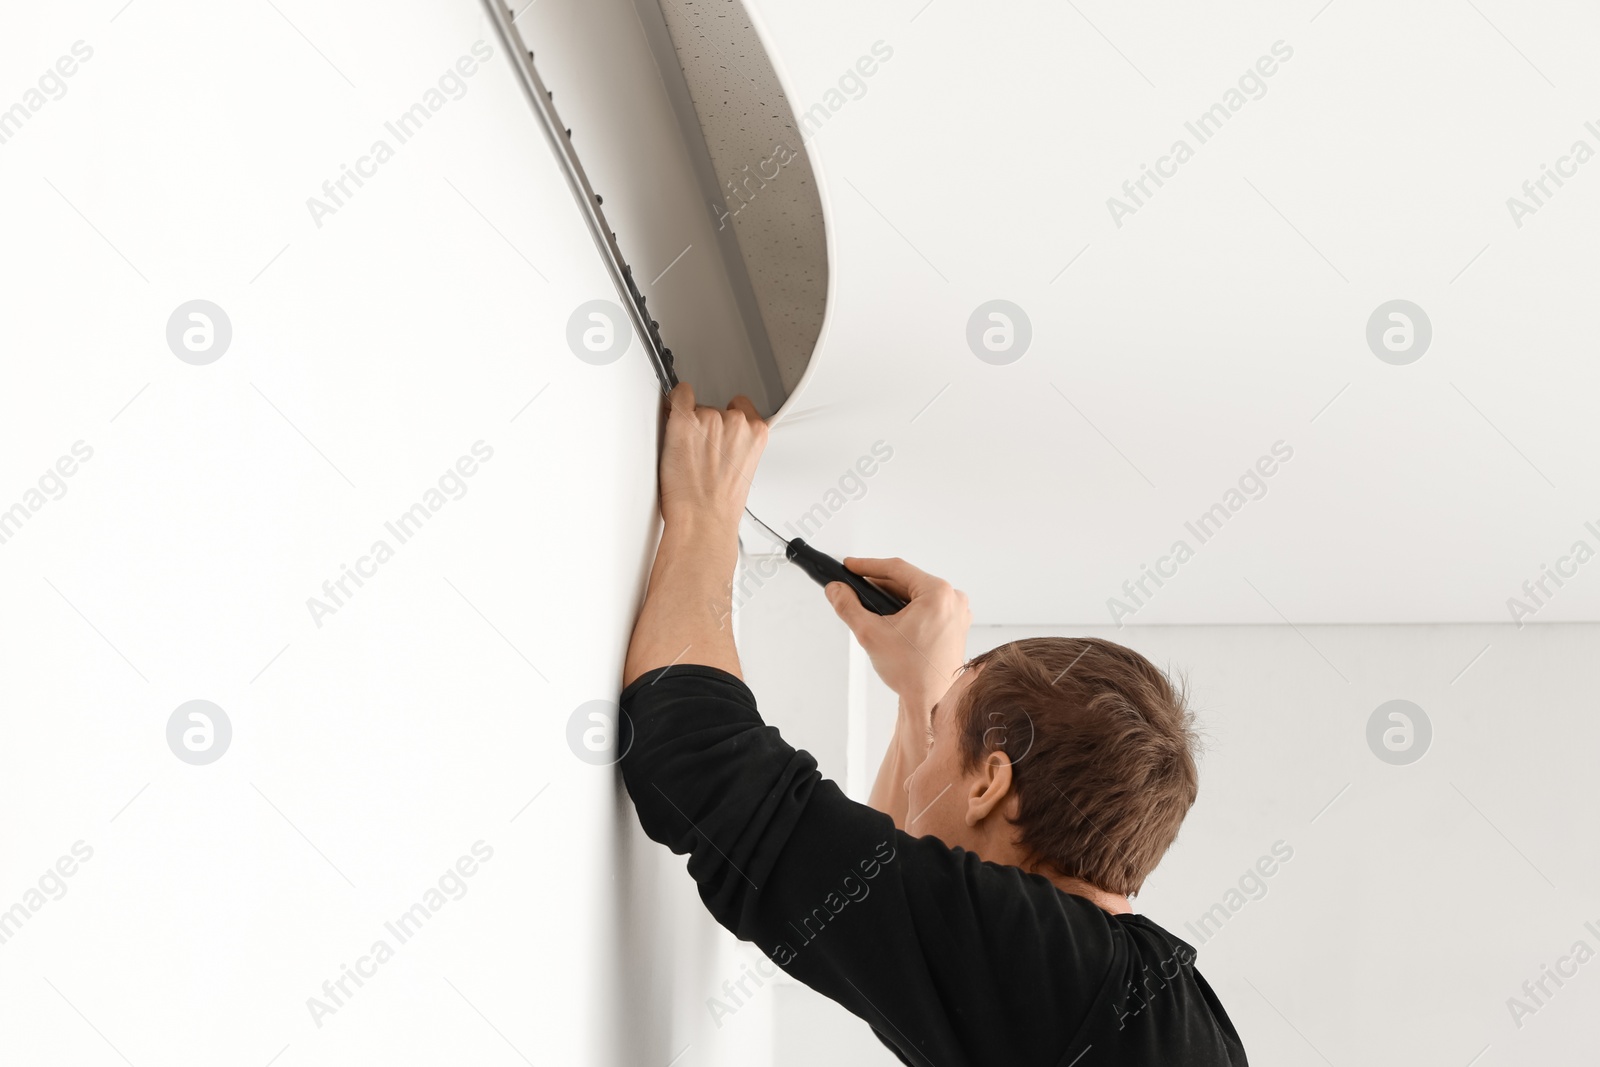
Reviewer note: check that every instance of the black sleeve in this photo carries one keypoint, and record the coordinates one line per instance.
(890, 1045)
(949, 958)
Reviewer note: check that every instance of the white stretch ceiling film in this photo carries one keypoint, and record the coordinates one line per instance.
(767, 192)
(1070, 376)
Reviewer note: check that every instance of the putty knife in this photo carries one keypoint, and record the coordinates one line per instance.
(824, 569)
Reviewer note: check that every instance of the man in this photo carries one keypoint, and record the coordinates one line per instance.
(977, 912)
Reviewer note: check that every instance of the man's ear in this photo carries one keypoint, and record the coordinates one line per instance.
(990, 788)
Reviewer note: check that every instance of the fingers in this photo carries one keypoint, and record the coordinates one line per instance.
(743, 404)
(740, 408)
(895, 575)
(743, 416)
(848, 607)
(681, 399)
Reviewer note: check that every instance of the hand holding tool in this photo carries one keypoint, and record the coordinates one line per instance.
(824, 569)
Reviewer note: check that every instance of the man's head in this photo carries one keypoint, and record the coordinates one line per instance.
(1070, 755)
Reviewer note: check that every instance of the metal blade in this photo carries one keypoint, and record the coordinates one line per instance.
(775, 535)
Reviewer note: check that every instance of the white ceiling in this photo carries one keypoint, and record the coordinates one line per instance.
(965, 155)
(1227, 314)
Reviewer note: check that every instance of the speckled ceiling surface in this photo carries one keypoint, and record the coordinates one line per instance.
(768, 192)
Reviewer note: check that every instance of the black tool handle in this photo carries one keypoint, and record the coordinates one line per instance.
(824, 569)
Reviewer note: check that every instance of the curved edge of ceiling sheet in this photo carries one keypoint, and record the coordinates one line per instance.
(803, 381)
(761, 187)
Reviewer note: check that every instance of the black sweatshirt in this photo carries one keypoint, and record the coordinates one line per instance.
(951, 960)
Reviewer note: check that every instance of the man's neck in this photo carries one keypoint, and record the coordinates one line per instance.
(1115, 903)
(1112, 902)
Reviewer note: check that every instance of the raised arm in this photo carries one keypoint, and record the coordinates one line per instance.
(916, 938)
(707, 461)
(917, 652)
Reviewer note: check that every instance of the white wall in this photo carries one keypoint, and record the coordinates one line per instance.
(431, 710)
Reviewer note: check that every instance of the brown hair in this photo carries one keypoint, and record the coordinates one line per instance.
(1102, 751)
